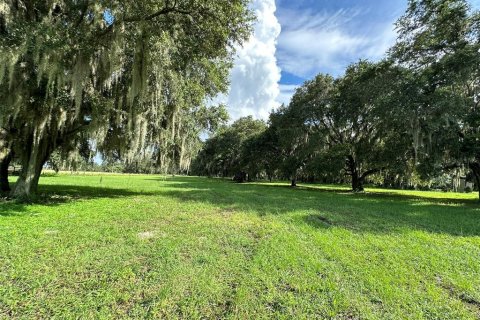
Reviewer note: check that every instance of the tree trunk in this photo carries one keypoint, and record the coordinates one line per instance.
(4, 164)
(6, 155)
(294, 183)
(36, 153)
(475, 167)
(357, 182)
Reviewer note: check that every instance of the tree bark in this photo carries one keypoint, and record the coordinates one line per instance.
(4, 164)
(357, 180)
(36, 153)
(6, 154)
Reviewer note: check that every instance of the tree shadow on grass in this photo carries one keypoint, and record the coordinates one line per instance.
(54, 195)
(393, 195)
(360, 213)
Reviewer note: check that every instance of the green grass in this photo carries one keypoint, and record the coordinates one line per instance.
(109, 246)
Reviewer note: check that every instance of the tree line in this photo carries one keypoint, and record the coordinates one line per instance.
(405, 120)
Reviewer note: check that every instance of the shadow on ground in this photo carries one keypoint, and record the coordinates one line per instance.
(360, 213)
(53, 195)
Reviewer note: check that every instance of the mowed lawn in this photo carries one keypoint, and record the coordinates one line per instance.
(103, 247)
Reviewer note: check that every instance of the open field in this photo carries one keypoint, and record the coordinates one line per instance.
(148, 246)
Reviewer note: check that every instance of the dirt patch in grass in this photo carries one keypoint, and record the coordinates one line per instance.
(146, 235)
(470, 301)
(51, 232)
(465, 298)
(318, 221)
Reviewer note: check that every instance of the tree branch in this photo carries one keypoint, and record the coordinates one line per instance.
(370, 172)
(164, 11)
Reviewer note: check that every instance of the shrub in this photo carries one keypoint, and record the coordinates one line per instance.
(468, 190)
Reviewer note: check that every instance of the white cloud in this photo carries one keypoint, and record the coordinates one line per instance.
(329, 41)
(286, 93)
(255, 76)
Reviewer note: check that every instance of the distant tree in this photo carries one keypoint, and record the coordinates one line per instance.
(369, 110)
(262, 154)
(342, 124)
(222, 154)
(292, 139)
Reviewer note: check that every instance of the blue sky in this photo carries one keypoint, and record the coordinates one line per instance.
(327, 35)
(296, 39)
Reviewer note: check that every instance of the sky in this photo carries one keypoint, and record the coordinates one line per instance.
(294, 40)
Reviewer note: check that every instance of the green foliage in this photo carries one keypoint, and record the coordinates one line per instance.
(224, 154)
(439, 40)
(432, 29)
(55, 162)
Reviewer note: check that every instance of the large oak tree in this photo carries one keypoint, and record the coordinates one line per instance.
(124, 73)
(439, 43)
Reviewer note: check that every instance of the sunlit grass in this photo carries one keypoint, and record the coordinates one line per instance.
(136, 246)
(411, 193)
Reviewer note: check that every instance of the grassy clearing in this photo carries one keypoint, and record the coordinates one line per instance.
(147, 246)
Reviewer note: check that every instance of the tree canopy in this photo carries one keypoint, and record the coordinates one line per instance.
(132, 76)
(224, 154)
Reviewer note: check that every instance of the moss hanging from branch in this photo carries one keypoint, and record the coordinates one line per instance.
(119, 74)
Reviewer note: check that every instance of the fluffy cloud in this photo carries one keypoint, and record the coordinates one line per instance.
(255, 76)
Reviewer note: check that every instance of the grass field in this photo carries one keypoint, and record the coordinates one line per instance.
(104, 247)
